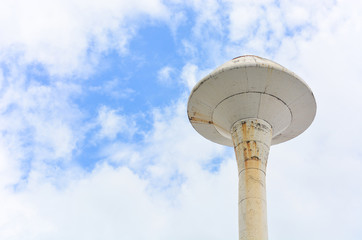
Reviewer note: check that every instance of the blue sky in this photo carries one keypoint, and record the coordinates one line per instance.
(94, 137)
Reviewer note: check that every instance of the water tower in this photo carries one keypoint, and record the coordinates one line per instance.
(251, 103)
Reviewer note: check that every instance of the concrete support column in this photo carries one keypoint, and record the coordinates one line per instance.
(252, 139)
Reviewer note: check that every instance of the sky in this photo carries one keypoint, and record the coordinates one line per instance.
(95, 142)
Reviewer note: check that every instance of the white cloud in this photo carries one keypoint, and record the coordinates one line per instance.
(171, 148)
(208, 18)
(114, 202)
(67, 36)
(40, 114)
(10, 169)
(191, 74)
(112, 123)
(164, 75)
(114, 89)
(188, 75)
(327, 165)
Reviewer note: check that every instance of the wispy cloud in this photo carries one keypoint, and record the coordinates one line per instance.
(112, 123)
(113, 89)
(165, 75)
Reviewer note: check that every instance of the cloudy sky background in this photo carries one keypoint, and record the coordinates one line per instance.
(94, 137)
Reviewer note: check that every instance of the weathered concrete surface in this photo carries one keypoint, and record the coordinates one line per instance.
(251, 87)
(252, 139)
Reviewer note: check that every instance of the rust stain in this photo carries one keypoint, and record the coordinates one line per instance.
(250, 149)
(243, 126)
(199, 120)
(196, 113)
